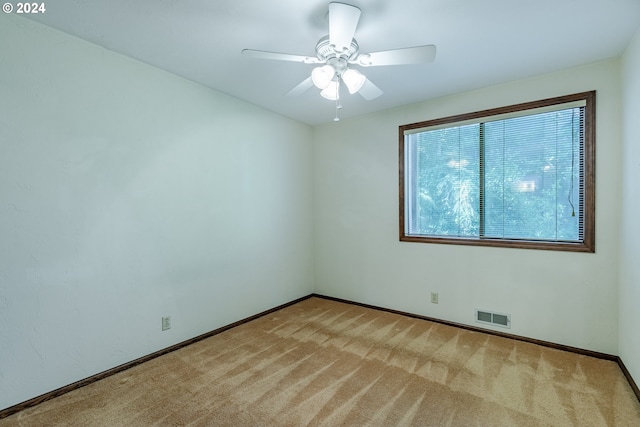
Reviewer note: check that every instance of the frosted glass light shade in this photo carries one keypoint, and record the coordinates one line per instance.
(331, 91)
(322, 76)
(353, 79)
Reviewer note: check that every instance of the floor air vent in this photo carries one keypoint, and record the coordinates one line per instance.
(490, 318)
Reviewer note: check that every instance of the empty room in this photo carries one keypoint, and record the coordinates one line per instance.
(371, 212)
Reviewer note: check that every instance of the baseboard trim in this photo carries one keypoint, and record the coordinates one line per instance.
(627, 374)
(79, 384)
(543, 343)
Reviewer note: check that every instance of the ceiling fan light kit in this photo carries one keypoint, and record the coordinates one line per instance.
(338, 50)
(322, 76)
(332, 91)
(353, 80)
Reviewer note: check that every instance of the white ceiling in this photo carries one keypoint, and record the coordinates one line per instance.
(480, 43)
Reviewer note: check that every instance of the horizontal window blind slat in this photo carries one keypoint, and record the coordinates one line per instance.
(514, 114)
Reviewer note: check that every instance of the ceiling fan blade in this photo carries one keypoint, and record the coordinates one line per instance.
(409, 55)
(343, 20)
(370, 91)
(263, 54)
(305, 85)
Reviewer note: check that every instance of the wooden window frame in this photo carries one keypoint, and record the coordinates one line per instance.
(588, 243)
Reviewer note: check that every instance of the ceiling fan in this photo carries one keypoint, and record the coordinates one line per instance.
(336, 52)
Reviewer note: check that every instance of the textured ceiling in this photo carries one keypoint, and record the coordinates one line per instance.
(480, 43)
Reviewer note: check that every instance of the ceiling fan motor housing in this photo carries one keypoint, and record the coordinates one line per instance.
(338, 59)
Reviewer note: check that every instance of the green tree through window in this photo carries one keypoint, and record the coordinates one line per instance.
(516, 176)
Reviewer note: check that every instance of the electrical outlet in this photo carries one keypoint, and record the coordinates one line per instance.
(166, 323)
(434, 297)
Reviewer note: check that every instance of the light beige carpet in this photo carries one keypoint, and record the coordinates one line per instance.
(321, 362)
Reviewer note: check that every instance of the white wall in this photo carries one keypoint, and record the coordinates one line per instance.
(630, 240)
(128, 194)
(566, 298)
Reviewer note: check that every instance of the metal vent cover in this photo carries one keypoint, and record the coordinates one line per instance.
(492, 318)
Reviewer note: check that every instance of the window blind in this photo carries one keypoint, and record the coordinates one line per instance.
(516, 176)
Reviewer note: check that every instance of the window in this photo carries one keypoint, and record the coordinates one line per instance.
(519, 176)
